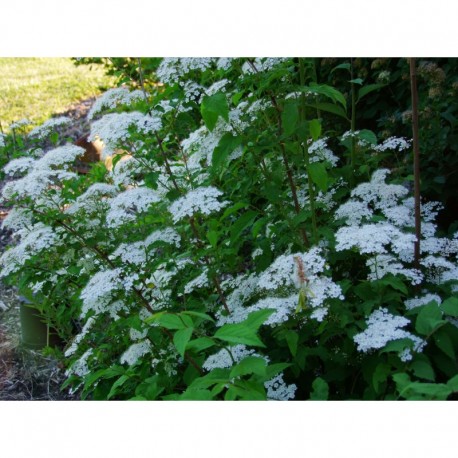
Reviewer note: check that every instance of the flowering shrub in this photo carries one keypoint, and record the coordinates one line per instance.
(234, 250)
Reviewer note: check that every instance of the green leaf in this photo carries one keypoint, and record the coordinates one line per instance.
(453, 383)
(169, 321)
(242, 223)
(292, 339)
(423, 369)
(249, 365)
(345, 66)
(329, 92)
(273, 369)
(315, 129)
(226, 146)
(318, 174)
(200, 344)
(212, 236)
(429, 319)
(395, 282)
(245, 332)
(357, 81)
(196, 395)
(320, 390)
(368, 136)
(181, 339)
(232, 209)
(380, 375)
(397, 345)
(444, 342)
(368, 89)
(238, 334)
(121, 380)
(289, 116)
(450, 306)
(330, 108)
(418, 390)
(204, 316)
(212, 107)
(254, 320)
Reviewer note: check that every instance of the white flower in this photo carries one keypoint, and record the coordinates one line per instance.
(97, 294)
(383, 327)
(79, 337)
(93, 199)
(172, 69)
(199, 282)
(80, 367)
(126, 205)
(422, 300)
(114, 97)
(278, 390)
(113, 128)
(135, 352)
(201, 200)
(319, 151)
(38, 239)
(223, 359)
(393, 143)
(167, 235)
(48, 126)
(20, 123)
(20, 165)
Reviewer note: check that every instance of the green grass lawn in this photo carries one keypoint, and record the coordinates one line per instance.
(36, 88)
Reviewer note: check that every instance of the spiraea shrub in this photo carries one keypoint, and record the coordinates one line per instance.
(237, 247)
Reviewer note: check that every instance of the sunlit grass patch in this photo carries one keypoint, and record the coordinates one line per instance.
(36, 88)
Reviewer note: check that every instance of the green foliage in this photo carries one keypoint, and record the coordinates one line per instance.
(231, 284)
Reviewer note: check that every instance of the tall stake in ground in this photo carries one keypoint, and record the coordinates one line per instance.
(416, 160)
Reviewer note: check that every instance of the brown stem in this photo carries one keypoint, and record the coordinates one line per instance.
(416, 162)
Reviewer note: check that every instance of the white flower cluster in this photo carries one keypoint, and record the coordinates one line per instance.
(383, 327)
(172, 69)
(319, 151)
(135, 352)
(79, 337)
(391, 241)
(97, 294)
(43, 174)
(289, 273)
(80, 366)
(21, 123)
(199, 282)
(17, 219)
(226, 358)
(113, 128)
(38, 239)
(277, 390)
(18, 166)
(114, 97)
(262, 64)
(126, 206)
(393, 143)
(49, 126)
(2, 140)
(93, 199)
(422, 300)
(201, 200)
